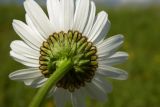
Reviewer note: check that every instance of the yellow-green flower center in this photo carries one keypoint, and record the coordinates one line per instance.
(74, 46)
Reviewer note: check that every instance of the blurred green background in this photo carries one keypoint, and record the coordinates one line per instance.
(141, 27)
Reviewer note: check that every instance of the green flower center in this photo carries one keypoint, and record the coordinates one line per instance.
(74, 46)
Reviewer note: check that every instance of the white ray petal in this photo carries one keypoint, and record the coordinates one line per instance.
(102, 83)
(61, 96)
(34, 83)
(50, 93)
(78, 98)
(109, 46)
(98, 27)
(67, 14)
(95, 92)
(20, 47)
(28, 82)
(54, 10)
(24, 74)
(112, 72)
(81, 15)
(25, 60)
(38, 36)
(26, 34)
(103, 33)
(38, 82)
(26, 63)
(39, 18)
(90, 20)
(117, 58)
(27, 42)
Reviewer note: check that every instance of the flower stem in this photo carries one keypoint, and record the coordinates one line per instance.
(63, 67)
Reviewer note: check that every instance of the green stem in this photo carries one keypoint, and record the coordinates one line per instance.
(63, 67)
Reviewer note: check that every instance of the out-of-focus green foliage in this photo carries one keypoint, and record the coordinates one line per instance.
(141, 28)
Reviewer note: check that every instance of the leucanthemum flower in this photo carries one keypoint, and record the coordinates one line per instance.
(71, 30)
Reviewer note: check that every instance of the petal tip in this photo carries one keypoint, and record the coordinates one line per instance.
(11, 76)
(124, 76)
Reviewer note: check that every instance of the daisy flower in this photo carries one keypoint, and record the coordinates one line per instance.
(73, 31)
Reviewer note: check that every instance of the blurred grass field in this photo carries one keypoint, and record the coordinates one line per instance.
(141, 28)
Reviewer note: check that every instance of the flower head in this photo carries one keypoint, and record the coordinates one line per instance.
(73, 31)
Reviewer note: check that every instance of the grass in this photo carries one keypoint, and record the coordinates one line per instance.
(141, 28)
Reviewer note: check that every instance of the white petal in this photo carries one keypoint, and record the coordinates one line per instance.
(78, 98)
(28, 82)
(61, 96)
(25, 74)
(25, 60)
(67, 14)
(53, 7)
(98, 27)
(109, 46)
(117, 58)
(22, 48)
(81, 15)
(39, 37)
(102, 83)
(39, 18)
(26, 34)
(39, 82)
(35, 82)
(100, 38)
(91, 19)
(103, 34)
(95, 92)
(50, 93)
(112, 72)
(26, 63)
